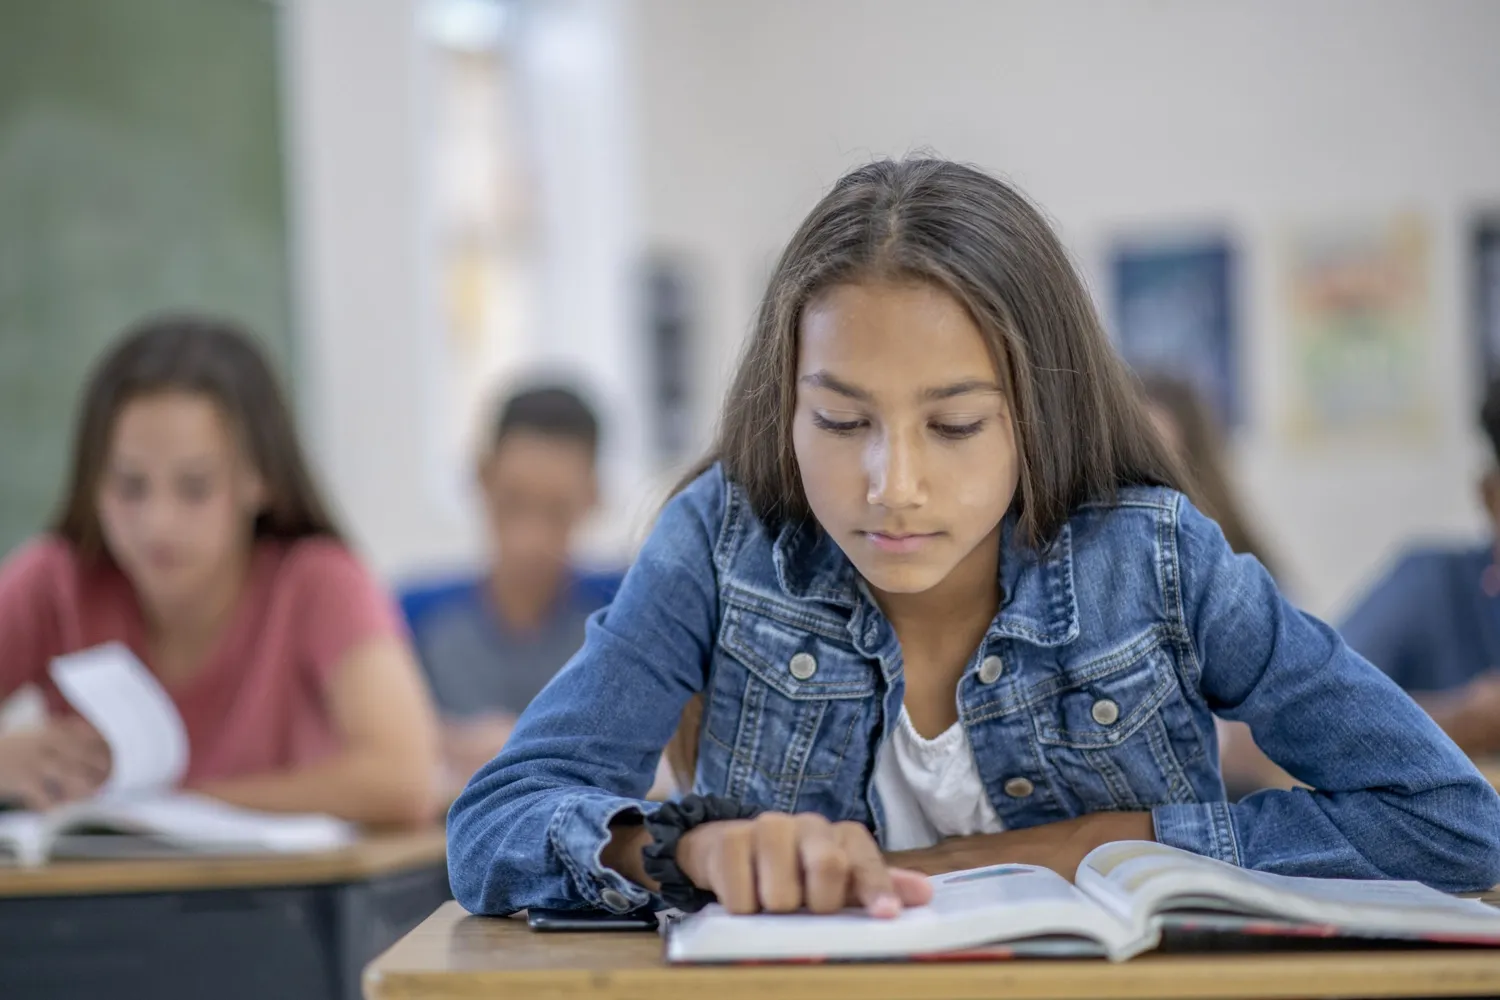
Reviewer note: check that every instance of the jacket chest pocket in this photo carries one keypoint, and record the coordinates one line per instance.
(788, 709)
(1118, 731)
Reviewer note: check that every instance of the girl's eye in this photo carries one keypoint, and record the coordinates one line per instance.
(129, 487)
(195, 490)
(836, 426)
(958, 432)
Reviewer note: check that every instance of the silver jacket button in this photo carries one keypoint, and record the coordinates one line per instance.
(803, 666)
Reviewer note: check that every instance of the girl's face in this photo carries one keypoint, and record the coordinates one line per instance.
(903, 436)
(177, 496)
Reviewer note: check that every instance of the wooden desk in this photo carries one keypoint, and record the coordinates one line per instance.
(371, 857)
(297, 926)
(453, 956)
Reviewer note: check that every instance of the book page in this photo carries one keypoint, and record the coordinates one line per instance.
(116, 693)
(977, 889)
(1409, 896)
(196, 823)
(969, 909)
(1103, 872)
(1143, 877)
(23, 838)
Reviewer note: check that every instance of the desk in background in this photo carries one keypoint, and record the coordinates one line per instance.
(1489, 766)
(453, 955)
(294, 926)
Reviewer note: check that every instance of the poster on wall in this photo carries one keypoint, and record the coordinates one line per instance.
(1174, 313)
(1358, 321)
(1486, 264)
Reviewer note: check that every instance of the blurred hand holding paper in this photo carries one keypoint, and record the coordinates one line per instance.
(139, 812)
(115, 692)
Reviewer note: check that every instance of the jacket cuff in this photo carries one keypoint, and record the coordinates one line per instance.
(577, 834)
(1201, 827)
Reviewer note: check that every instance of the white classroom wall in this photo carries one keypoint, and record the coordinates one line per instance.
(358, 97)
(366, 313)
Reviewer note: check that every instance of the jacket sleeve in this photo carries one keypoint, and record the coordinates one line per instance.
(529, 828)
(1391, 795)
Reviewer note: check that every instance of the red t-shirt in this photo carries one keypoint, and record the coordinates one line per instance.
(259, 702)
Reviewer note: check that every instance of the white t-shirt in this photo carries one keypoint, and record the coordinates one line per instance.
(930, 789)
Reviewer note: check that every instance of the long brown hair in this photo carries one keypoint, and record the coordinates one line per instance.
(1204, 460)
(1081, 430)
(218, 359)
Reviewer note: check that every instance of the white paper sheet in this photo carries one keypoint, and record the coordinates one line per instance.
(23, 838)
(117, 694)
(205, 824)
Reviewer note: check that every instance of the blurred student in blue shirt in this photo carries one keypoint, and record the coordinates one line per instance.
(1433, 623)
(489, 643)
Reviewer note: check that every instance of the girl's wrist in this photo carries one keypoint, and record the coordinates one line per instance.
(623, 853)
(677, 827)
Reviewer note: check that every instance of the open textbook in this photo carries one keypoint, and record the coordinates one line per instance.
(136, 811)
(1124, 896)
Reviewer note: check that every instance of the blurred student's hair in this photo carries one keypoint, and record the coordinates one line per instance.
(214, 358)
(1204, 461)
(552, 410)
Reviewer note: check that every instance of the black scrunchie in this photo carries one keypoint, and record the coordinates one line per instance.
(666, 826)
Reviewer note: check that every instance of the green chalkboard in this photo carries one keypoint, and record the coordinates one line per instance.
(141, 168)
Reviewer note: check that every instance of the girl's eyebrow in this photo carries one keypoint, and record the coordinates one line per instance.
(821, 379)
(964, 388)
(200, 465)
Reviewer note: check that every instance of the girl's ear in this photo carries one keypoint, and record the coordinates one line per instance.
(481, 472)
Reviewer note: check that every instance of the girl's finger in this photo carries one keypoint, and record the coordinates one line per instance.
(870, 884)
(732, 867)
(912, 888)
(825, 866)
(89, 756)
(778, 866)
(63, 782)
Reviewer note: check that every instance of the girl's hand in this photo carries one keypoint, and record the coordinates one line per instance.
(779, 863)
(61, 762)
(470, 743)
(1470, 715)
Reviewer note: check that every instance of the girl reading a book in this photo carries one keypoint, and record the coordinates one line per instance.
(191, 531)
(944, 606)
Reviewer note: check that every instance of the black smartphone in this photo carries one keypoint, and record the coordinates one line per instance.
(590, 920)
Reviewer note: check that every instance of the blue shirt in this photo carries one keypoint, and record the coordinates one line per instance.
(475, 663)
(1094, 688)
(1431, 624)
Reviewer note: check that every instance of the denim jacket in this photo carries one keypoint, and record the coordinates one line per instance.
(1093, 689)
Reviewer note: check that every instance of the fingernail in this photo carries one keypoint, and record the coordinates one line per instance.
(885, 906)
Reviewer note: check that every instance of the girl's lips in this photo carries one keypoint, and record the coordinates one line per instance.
(903, 544)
